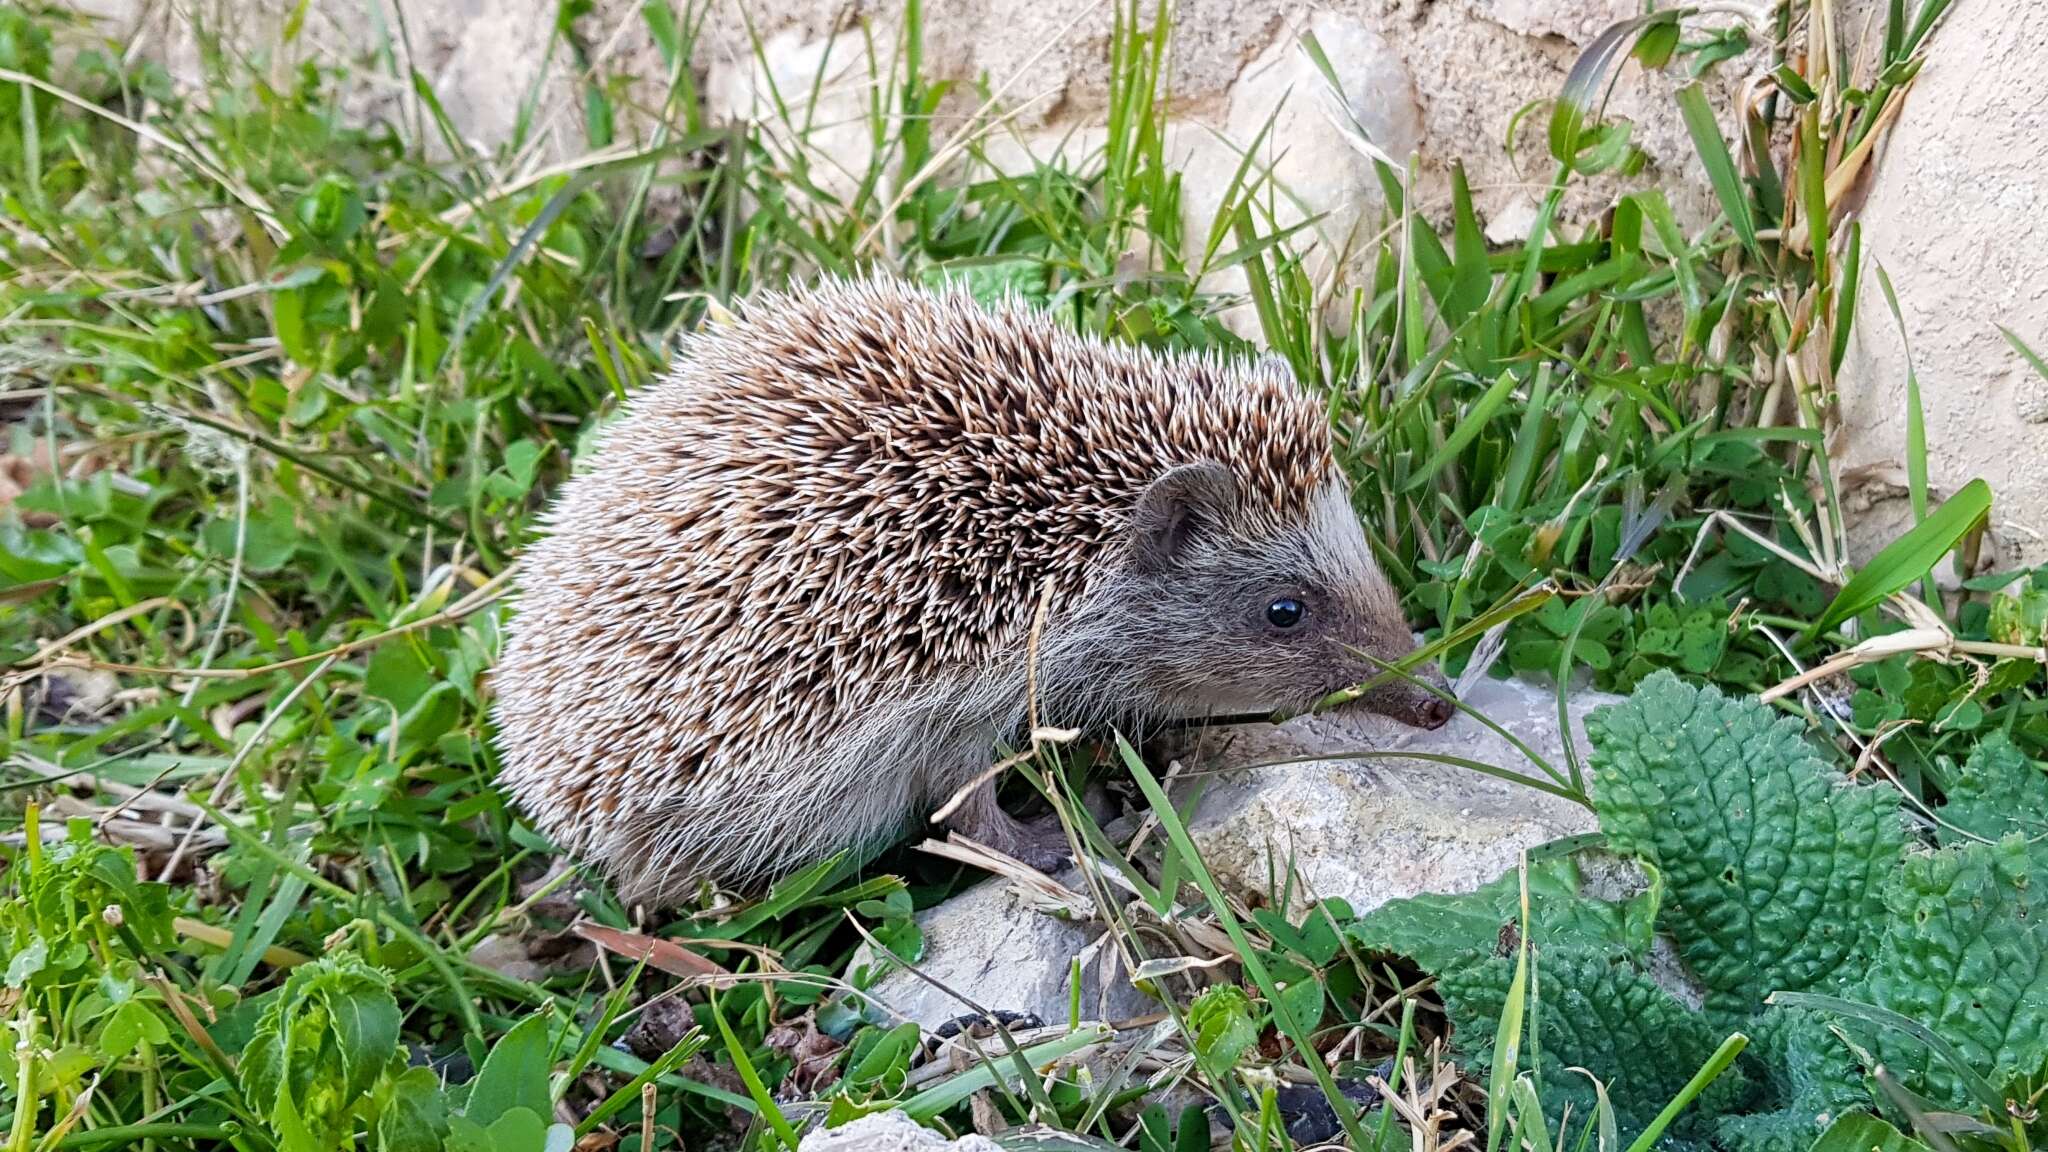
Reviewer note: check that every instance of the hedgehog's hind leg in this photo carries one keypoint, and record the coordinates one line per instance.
(1040, 843)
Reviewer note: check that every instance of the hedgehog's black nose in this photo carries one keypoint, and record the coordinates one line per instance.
(1434, 713)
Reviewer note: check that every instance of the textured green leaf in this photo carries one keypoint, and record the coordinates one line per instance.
(1221, 1022)
(1997, 792)
(1967, 956)
(1434, 930)
(1774, 865)
(322, 1043)
(1603, 1015)
(1785, 1131)
(1808, 1078)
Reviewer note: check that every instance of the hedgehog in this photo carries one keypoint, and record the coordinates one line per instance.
(807, 585)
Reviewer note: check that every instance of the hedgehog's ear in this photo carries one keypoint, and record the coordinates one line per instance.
(1176, 509)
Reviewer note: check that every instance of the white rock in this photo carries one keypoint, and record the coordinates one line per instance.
(506, 955)
(986, 945)
(889, 1132)
(1513, 223)
(1377, 829)
(1366, 831)
(1958, 217)
(1308, 153)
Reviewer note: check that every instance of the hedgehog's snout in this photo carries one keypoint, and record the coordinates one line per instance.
(1413, 702)
(1433, 713)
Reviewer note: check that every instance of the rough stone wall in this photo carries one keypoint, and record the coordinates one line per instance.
(1958, 217)
(1955, 212)
(1441, 78)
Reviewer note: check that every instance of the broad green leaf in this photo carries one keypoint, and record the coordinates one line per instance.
(517, 1130)
(885, 1058)
(293, 1135)
(1966, 956)
(432, 715)
(288, 323)
(364, 1020)
(514, 1075)
(1910, 557)
(465, 1136)
(1436, 930)
(128, 1026)
(413, 1117)
(1862, 1132)
(1774, 865)
(322, 1043)
(399, 675)
(269, 539)
(28, 961)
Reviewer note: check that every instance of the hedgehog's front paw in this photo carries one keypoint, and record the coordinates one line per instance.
(1042, 844)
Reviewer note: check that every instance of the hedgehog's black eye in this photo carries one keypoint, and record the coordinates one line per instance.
(1285, 612)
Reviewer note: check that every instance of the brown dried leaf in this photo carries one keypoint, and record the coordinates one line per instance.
(666, 955)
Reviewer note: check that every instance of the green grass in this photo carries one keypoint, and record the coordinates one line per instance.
(306, 387)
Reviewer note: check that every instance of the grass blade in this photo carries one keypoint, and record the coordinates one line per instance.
(1177, 833)
(1579, 100)
(755, 1088)
(1470, 425)
(1713, 151)
(2020, 346)
(1916, 426)
(1708, 1073)
(1507, 1044)
(1845, 297)
(1910, 557)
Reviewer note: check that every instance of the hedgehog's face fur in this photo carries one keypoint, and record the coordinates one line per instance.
(1241, 614)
